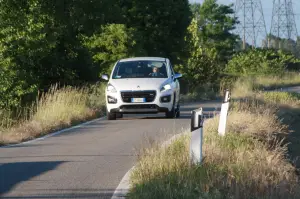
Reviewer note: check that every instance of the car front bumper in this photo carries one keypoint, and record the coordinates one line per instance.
(155, 106)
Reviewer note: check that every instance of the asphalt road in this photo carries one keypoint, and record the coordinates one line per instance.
(87, 162)
(295, 89)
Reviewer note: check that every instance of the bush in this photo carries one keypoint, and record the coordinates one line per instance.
(260, 62)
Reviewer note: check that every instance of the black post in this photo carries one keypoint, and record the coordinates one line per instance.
(193, 121)
(200, 121)
(227, 96)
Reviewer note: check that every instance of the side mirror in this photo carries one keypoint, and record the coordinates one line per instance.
(177, 75)
(105, 77)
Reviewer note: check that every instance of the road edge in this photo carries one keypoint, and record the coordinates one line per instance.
(54, 133)
(123, 188)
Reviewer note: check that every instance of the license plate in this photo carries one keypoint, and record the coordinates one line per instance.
(138, 100)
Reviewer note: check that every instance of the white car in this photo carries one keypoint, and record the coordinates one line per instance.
(142, 85)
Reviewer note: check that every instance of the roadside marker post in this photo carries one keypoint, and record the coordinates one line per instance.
(196, 143)
(224, 114)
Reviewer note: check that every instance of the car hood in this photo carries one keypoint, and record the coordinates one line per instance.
(138, 83)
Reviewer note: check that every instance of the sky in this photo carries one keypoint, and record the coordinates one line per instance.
(267, 7)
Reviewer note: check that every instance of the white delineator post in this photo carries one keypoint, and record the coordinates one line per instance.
(196, 143)
(223, 114)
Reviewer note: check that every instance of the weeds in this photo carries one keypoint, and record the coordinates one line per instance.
(237, 166)
(249, 162)
(56, 109)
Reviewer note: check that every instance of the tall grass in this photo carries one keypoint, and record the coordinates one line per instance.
(237, 166)
(245, 86)
(284, 80)
(249, 162)
(56, 109)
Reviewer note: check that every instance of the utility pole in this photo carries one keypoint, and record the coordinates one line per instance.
(252, 26)
(283, 23)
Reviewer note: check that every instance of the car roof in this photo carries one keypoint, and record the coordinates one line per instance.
(143, 59)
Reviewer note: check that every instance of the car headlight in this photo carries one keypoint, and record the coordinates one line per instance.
(111, 89)
(165, 87)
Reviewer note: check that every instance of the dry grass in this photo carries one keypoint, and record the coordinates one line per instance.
(249, 162)
(236, 166)
(271, 82)
(247, 86)
(58, 108)
(281, 98)
(206, 91)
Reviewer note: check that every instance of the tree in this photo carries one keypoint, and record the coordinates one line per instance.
(298, 48)
(113, 42)
(216, 24)
(202, 65)
(162, 25)
(195, 9)
(262, 62)
(209, 43)
(287, 45)
(41, 40)
(43, 37)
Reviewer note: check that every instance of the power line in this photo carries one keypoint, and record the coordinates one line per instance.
(283, 21)
(252, 21)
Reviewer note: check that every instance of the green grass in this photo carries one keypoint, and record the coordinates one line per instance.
(54, 110)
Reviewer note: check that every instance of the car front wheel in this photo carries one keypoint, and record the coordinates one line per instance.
(172, 113)
(111, 116)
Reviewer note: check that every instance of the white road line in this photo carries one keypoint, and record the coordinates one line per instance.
(54, 133)
(124, 186)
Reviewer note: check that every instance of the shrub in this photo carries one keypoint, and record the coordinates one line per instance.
(260, 62)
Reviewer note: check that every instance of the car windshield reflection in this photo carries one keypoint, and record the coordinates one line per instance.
(140, 69)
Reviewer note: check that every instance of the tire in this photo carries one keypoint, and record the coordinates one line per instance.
(111, 116)
(119, 115)
(178, 112)
(172, 113)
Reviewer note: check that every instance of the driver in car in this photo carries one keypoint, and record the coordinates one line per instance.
(155, 72)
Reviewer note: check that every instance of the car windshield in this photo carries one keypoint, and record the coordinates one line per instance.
(140, 69)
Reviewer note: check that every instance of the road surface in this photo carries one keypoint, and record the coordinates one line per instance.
(295, 89)
(87, 162)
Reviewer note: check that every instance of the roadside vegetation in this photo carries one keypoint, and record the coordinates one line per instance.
(256, 159)
(248, 163)
(71, 43)
(54, 110)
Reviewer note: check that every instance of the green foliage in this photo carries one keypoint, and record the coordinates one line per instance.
(260, 61)
(162, 25)
(216, 23)
(111, 43)
(40, 45)
(208, 43)
(202, 64)
(287, 45)
(70, 42)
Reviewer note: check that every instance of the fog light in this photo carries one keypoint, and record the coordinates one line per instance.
(111, 100)
(165, 99)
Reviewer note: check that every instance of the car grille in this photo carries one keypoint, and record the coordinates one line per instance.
(148, 95)
(142, 106)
